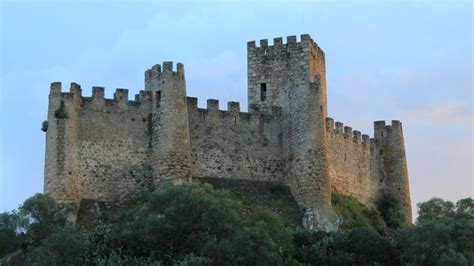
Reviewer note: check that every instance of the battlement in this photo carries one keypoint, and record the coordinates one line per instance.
(291, 45)
(233, 108)
(346, 132)
(157, 73)
(120, 97)
(291, 41)
(382, 131)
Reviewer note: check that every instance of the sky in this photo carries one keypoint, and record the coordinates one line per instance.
(409, 61)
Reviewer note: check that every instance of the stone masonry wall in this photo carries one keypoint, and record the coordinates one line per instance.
(351, 165)
(233, 144)
(110, 147)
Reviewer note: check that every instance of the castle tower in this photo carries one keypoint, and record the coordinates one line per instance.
(292, 76)
(391, 155)
(168, 123)
(61, 158)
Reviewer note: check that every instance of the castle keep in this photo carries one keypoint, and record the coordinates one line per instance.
(105, 149)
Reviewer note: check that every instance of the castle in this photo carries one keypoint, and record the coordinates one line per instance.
(105, 149)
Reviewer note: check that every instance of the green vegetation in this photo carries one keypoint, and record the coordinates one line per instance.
(390, 209)
(354, 214)
(44, 126)
(194, 224)
(61, 112)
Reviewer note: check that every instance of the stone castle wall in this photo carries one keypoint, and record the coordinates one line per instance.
(352, 166)
(103, 145)
(105, 149)
(234, 144)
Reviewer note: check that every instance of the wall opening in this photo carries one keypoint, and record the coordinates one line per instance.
(158, 98)
(263, 91)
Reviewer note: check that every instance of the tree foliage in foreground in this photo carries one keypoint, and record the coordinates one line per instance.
(193, 224)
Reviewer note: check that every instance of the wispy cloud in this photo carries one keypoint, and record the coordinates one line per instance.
(457, 112)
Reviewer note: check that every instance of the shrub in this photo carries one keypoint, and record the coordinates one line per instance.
(391, 210)
(354, 214)
(44, 126)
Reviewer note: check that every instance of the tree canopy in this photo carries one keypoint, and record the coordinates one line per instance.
(194, 224)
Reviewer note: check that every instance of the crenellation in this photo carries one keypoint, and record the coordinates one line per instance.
(212, 104)
(167, 66)
(180, 69)
(121, 95)
(278, 41)
(75, 89)
(156, 69)
(340, 128)
(162, 136)
(365, 139)
(251, 44)
(379, 128)
(291, 41)
(329, 124)
(98, 93)
(233, 107)
(306, 37)
(356, 136)
(55, 89)
(192, 102)
(348, 132)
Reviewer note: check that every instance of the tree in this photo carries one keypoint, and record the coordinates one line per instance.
(11, 224)
(435, 208)
(391, 210)
(442, 235)
(174, 222)
(44, 215)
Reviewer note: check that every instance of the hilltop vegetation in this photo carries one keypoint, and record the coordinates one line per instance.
(194, 224)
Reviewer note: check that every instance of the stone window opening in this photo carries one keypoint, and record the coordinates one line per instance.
(158, 98)
(381, 152)
(382, 134)
(263, 91)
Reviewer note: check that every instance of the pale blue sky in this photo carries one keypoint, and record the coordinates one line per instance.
(410, 61)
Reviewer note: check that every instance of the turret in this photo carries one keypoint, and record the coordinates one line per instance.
(169, 123)
(61, 160)
(390, 149)
(292, 77)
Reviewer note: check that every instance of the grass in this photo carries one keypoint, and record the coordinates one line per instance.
(354, 214)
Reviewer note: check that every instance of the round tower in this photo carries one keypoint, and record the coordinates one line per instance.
(392, 161)
(399, 172)
(168, 123)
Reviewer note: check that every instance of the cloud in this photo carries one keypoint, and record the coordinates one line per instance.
(457, 112)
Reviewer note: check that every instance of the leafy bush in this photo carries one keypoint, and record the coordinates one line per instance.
(391, 210)
(354, 214)
(442, 235)
(44, 126)
(193, 224)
